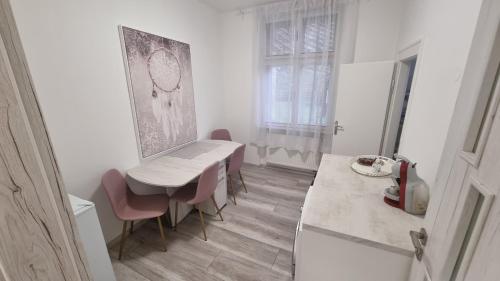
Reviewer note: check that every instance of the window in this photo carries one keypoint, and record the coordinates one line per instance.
(298, 71)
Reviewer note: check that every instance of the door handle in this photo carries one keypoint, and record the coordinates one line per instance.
(419, 239)
(337, 128)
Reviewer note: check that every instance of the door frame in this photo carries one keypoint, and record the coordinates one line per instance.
(28, 104)
(396, 98)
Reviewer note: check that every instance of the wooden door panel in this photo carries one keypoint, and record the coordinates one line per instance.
(454, 214)
(490, 162)
(38, 235)
(440, 240)
(447, 241)
(468, 258)
(484, 264)
(32, 241)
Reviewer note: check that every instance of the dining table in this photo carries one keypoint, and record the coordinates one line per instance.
(175, 169)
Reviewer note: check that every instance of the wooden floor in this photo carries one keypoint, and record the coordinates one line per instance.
(253, 243)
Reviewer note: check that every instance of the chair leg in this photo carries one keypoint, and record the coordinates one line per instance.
(131, 227)
(168, 218)
(175, 215)
(202, 222)
(217, 208)
(162, 234)
(231, 188)
(122, 242)
(243, 182)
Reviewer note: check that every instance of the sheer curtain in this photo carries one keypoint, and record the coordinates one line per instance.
(299, 45)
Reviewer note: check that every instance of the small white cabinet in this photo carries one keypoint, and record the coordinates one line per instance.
(347, 232)
(92, 239)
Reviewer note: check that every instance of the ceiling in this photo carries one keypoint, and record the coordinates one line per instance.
(231, 5)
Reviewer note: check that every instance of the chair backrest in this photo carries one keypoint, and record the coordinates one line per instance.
(116, 189)
(236, 160)
(221, 134)
(207, 183)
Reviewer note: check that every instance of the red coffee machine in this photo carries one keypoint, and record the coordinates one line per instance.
(409, 192)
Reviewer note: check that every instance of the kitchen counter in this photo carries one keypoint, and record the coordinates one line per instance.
(350, 206)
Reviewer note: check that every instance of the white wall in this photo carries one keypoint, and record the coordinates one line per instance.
(376, 40)
(378, 29)
(237, 67)
(74, 55)
(446, 28)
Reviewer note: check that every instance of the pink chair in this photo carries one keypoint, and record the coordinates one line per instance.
(234, 167)
(221, 134)
(196, 193)
(128, 206)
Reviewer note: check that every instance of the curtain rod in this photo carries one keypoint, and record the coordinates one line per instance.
(249, 9)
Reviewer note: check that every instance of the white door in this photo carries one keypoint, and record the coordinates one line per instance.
(463, 220)
(361, 107)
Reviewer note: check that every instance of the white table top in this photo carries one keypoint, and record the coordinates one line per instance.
(348, 205)
(178, 168)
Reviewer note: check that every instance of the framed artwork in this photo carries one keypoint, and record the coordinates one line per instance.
(160, 85)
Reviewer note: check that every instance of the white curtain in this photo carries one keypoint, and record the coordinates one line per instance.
(299, 46)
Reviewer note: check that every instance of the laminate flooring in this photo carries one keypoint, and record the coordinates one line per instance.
(254, 242)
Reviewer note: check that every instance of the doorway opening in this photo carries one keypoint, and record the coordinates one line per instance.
(398, 106)
(411, 71)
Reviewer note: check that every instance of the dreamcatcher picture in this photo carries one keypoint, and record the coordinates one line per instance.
(161, 86)
(165, 71)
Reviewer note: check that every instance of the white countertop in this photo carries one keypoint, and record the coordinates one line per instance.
(178, 168)
(350, 206)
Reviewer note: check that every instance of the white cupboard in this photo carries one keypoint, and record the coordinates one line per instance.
(347, 232)
(92, 239)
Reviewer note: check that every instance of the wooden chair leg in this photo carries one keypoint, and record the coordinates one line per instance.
(202, 222)
(231, 188)
(217, 208)
(131, 227)
(162, 234)
(244, 186)
(122, 242)
(175, 215)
